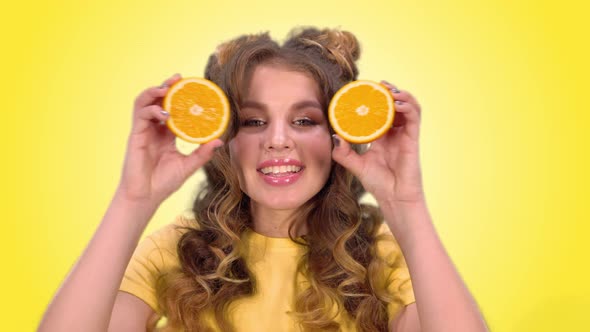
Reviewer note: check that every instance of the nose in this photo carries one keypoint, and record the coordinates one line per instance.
(278, 137)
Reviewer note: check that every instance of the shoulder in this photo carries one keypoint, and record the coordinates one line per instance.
(387, 247)
(393, 270)
(159, 247)
(393, 274)
(181, 224)
(155, 256)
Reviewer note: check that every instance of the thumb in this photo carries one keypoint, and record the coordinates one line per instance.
(346, 156)
(201, 156)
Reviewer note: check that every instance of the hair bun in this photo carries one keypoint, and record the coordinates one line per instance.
(338, 46)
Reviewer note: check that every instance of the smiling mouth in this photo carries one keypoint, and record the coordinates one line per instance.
(283, 170)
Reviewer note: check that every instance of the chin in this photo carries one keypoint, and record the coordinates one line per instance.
(281, 204)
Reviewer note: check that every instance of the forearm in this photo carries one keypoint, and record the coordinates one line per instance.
(443, 301)
(87, 296)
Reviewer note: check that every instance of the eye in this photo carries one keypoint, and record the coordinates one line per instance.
(252, 123)
(305, 122)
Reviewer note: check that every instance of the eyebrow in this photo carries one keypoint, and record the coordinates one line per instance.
(297, 106)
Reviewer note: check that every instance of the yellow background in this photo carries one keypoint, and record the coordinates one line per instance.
(504, 152)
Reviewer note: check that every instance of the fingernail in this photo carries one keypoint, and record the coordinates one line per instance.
(399, 102)
(336, 140)
(164, 113)
(164, 85)
(395, 90)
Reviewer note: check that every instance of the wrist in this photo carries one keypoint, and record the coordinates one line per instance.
(123, 196)
(405, 217)
(409, 197)
(137, 208)
(402, 207)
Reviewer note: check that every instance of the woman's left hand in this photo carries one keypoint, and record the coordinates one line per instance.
(390, 169)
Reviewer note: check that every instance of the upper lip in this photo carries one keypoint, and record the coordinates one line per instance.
(279, 162)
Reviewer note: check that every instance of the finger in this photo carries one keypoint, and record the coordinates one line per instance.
(200, 156)
(411, 117)
(148, 116)
(170, 81)
(399, 120)
(402, 95)
(166, 140)
(151, 95)
(153, 112)
(406, 97)
(346, 156)
(390, 86)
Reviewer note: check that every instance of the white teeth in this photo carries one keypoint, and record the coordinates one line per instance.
(280, 169)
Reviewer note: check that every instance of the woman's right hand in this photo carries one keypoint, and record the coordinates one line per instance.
(154, 168)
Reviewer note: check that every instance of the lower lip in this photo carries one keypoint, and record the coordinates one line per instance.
(281, 180)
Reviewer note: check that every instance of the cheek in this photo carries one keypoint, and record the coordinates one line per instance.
(238, 149)
(320, 148)
(242, 157)
(236, 156)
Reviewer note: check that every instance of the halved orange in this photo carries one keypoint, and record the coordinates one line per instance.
(199, 110)
(361, 111)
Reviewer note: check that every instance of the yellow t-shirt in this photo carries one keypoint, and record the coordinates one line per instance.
(273, 261)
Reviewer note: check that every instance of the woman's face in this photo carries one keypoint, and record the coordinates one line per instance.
(282, 150)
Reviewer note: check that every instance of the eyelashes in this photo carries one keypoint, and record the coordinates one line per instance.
(302, 122)
(305, 122)
(252, 123)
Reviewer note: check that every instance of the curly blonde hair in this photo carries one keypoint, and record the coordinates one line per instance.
(340, 262)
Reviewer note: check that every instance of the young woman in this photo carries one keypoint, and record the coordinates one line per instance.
(278, 239)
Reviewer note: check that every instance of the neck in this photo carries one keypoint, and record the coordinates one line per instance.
(275, 223)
